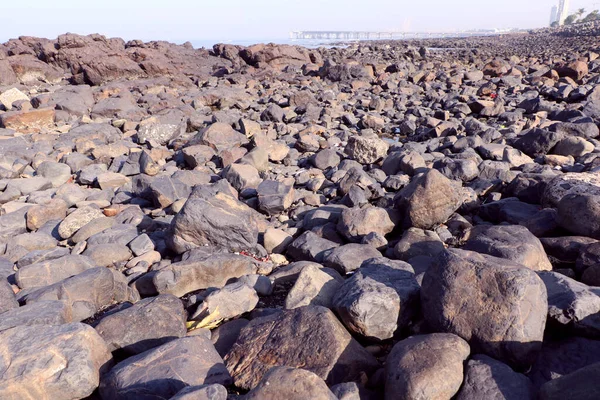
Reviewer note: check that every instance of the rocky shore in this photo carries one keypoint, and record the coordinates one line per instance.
(389, 220)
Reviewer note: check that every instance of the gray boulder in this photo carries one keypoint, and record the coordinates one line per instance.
(349, 257)
(581, 385)
(274, 197)
(290, 383)
(191, 275)
(489, 379)
(379, 299)
(53, 362)
(572, 305)
(513, 242)
(580, 214)
(145, 325)
(165, 370)
(86, 293)
(426, 367)
(212, 216)
(498, 306)
(314, 286)
(430, 199)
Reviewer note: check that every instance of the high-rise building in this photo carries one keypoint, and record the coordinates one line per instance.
(553, 15)
(563, 11)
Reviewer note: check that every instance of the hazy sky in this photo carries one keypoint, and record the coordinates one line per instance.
(180, 20)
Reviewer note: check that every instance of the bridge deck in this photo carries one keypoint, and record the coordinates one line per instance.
(357, 35)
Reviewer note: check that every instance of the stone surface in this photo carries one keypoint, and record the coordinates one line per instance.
(165, 370)
(321, 345)
(572, 304)
(188, 276)
(426, 367)
(486, 378)
(356, 223)
(513, 242)
(86, 293)
(577, 385)
(314, 286)
(429, 199)
(379, 299)
(291, 383)
(52, 271)
(214, 217)
(147, 324)
(498, 306)
(51, 362)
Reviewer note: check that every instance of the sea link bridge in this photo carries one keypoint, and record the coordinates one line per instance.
(367, 35)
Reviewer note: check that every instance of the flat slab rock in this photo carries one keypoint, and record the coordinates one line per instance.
(165, 370)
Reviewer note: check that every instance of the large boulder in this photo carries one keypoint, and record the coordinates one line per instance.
(426, 367)
(349, 257)
(309, 337)
(570, 183)
(212, 216)
(220, 137)
(355, 223)
(513, 242)
(581, 385)
(563, 357)
(537, 142)
(380, 298)
(51, 271)
(8, 301)
(86, 293)
(580, 214)
(310, 247)
(498, 306)
(366, 150)
(162, 128)
(572, 305)
(191, 275)
(489, 379)
(274, 197)
(165, 370)
(147, 324)
(41, 313)
(292, 384)
(33, 121)
(430, 199)
(51, 362)
(314, 286)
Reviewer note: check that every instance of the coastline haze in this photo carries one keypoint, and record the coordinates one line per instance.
(266, 20)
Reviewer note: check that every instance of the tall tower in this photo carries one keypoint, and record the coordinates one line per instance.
(553, 15)
(563, 11)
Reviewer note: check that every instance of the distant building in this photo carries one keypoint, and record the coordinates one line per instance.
(554, 15)
(563, 11)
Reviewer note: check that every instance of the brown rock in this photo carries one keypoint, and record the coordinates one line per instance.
(28, 121)
(309, 337)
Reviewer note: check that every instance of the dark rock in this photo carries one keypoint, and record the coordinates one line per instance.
(321, 345)
(486, 378)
